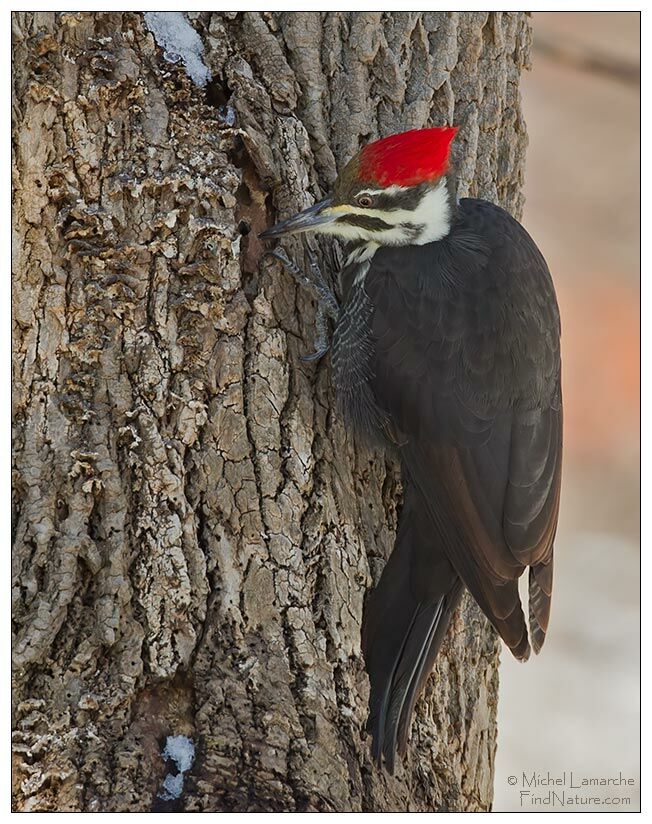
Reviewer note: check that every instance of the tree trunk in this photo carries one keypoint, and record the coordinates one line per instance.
(194, 529)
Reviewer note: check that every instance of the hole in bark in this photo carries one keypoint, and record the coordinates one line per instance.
(238, 154)
(243, 195)
(218, 92)
(95, 529)
(243, 227)
(62, 510)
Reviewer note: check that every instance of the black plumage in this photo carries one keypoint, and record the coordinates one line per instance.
(450, 352)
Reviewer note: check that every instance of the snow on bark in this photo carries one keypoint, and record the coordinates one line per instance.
(180, 750)
(174, 33)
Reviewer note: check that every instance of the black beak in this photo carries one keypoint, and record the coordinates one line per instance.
(313, 216)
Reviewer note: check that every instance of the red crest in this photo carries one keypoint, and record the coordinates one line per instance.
(408, 158)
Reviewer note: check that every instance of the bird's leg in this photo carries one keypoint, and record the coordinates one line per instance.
(327, 305)
(315, 281)
(327, 298)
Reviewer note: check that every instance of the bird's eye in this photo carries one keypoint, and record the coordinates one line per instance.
(365, 201)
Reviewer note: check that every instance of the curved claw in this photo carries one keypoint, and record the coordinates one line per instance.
(315, 355)
(279, 254)
(327, 305)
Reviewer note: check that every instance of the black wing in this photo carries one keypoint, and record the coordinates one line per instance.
(466, 372)
(466, 368)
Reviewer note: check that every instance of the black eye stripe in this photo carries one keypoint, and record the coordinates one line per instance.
(373, 224)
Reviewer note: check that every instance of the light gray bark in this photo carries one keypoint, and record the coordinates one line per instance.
(194, 530)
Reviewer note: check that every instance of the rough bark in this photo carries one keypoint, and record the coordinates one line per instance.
(194, 530)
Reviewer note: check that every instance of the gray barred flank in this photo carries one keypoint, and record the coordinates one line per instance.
(351, 353)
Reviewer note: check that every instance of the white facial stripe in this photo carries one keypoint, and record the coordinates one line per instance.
(389, 237)
(433, 213)
(344, 230)
(390, 190)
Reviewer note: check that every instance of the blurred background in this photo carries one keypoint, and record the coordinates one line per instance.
(576, 706)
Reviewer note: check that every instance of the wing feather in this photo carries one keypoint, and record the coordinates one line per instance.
(466, 366)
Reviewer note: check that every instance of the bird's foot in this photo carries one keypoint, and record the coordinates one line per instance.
(327, 305)
(321, 341)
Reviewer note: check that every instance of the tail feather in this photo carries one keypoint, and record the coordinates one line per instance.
(409, 672)
(394, 691)
(405, 621)
(431, 650)
(397, 704)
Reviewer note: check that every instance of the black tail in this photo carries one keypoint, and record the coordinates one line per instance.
(405, 621)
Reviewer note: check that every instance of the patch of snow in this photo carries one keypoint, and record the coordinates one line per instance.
(181, 750)
(172, 787)
(180, 41)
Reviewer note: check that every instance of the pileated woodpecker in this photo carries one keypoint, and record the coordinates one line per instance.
(447, 348)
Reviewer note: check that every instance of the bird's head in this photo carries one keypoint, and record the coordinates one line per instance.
(394, 192)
